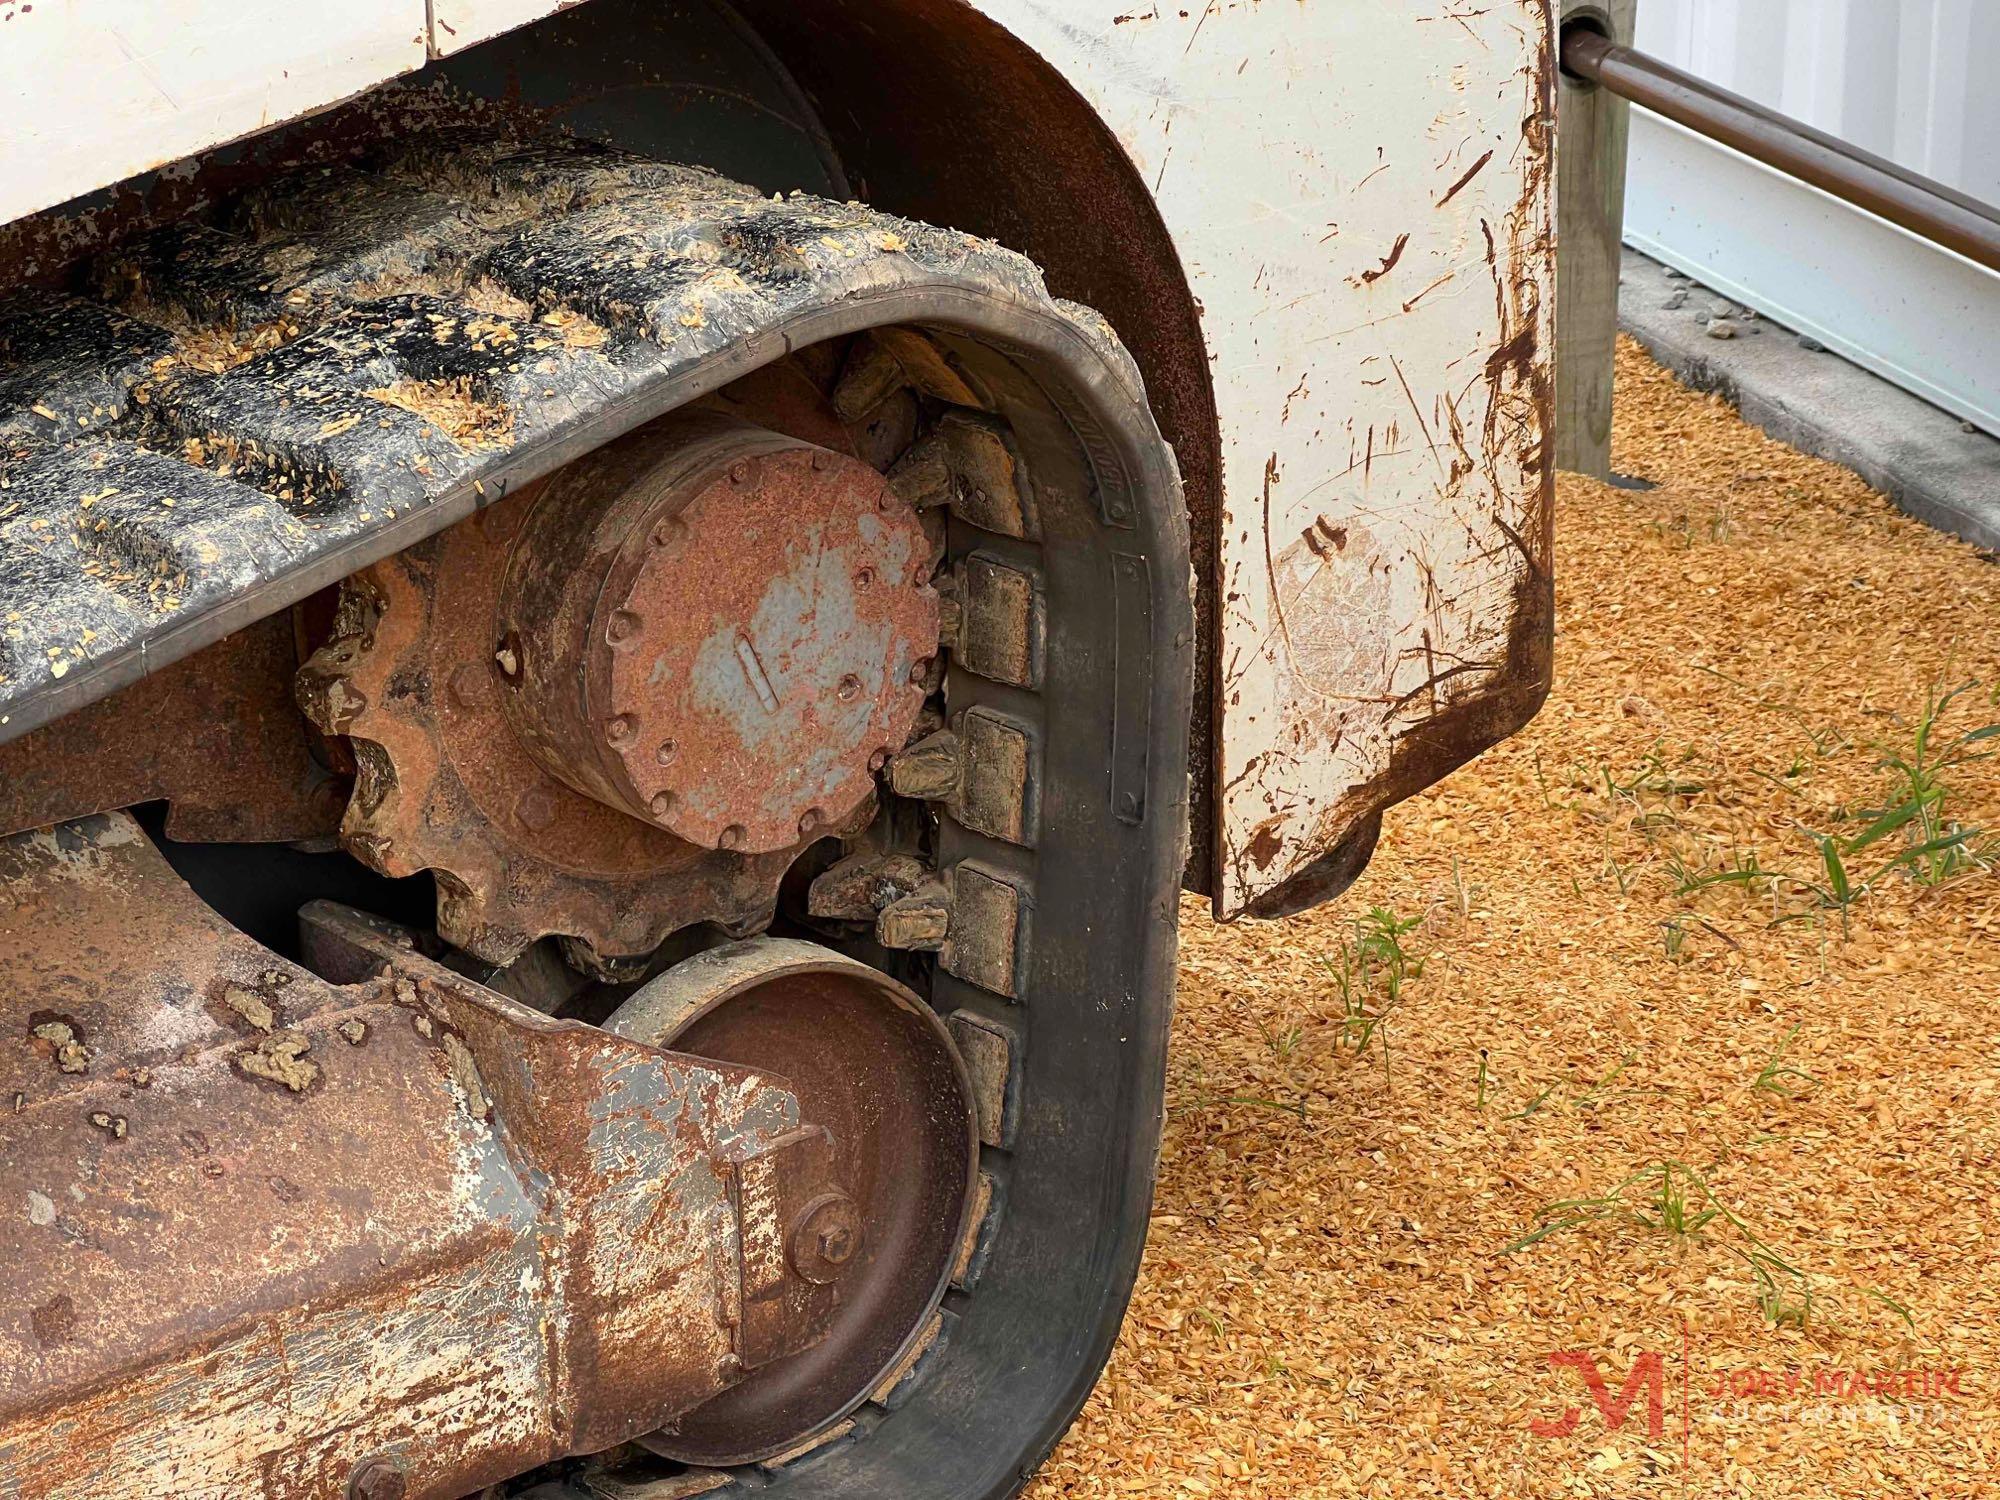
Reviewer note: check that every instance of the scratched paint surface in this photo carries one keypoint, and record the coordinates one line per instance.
(453, 1216)
(1361, 196)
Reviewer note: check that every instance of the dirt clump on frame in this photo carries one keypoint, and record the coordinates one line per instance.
(1660, 1046)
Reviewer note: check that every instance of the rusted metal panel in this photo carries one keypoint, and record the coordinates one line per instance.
(215, 736)
(1362, 197)
(275, 1227)
(651, 1254)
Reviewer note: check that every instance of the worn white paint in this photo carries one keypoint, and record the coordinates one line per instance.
(93, 91)
(1291, 147)
(1359, 194)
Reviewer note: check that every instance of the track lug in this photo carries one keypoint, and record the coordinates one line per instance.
(969, 464)
(930, 770)
(920, 921)
(861, 885)
(988, 1050)
(922, 477)
(984, 942)
(873, 374)
(1000, 629)
(996, 794)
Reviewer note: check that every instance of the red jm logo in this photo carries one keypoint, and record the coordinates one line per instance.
(1649, 1372)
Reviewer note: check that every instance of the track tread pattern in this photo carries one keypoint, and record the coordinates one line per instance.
(225, 379)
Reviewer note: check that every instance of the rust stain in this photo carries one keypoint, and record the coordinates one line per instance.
(1466, 181)
(222, 745)
(239, 1329)
(1267, 843)
(1389, 261)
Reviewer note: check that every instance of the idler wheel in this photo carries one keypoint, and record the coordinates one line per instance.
(871, 1063)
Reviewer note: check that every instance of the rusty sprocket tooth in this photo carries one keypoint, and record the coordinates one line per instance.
(442, 784)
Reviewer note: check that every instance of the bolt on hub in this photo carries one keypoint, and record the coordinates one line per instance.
(721, 627)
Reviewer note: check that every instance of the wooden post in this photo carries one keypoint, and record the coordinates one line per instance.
(1591, 131)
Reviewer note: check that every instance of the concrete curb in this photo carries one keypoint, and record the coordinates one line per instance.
(1920, 457)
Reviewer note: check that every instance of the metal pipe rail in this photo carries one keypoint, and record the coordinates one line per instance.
(1924, 207)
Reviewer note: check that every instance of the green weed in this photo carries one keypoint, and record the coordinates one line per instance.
(1532, 1105)
(1672, 1199)
(1938, 848)
(1826, 739)
(1591, 1097)
(1283, 1042)
(1372, 969)
(1276, 1106)
(1778, 1076)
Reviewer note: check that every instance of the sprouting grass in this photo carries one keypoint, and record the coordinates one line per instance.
(1934, 848)
(1598, 1093)
(1652, 779)
(1918, 833)
(1203, 1098)
(1461, 895)
(1743, 868)
(1532, 1105)
(1679, 531)
(1779, 1077)
(1722, 524)
(1675, 932)
(1282, 1040)
(1667, 1195)
(1370, 973)
(1826, 739)
(1938, 848)
(1275, 1106)
(1909, 1319)
(1485, 1078)
(1591, 1097)
(1542, 785)
(1673, 1200)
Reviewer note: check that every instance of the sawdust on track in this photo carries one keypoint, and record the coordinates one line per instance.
(1327, 1307)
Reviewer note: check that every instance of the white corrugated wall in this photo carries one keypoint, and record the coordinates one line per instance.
(1913, 80)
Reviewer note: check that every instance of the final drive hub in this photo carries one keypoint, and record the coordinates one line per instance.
(721, 631)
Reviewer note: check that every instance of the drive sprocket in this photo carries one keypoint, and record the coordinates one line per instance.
(441, 783)
(623, 700)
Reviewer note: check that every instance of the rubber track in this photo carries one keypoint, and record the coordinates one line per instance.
(572, 293)
(561, 291)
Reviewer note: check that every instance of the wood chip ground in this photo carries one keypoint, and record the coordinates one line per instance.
(1328, 1308)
